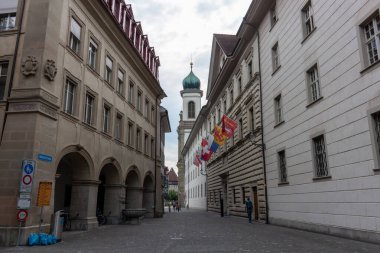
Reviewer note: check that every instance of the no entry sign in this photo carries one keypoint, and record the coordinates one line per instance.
(22, 215)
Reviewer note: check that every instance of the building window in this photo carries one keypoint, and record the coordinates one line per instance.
(70, 94)
(250, 71)
(251, 118)
(239, 84)
(313, 84)
(320, 157)
(139, 101)
(147, 107)
(89, 109)
(3, 78)
(275, 58)
(146, 144)
(92, 54)
(376, 128)
(278, 110)
(307, 17)
(130, 134)
(152, 147)
(219, 114)
(282, 166)
(108, 71)
(131, 92)
(191, 110)
(75, 36)
(225, 106)
(153, 115)
(120, 82)
(234, 195)
(371, 30)
(243, 194)
(119, 127)
(273, 15)
(106, 118)
(138, 139)
(231, 96)
(241, 131)
(7, 21)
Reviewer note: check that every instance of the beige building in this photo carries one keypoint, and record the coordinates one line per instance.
(80, 100)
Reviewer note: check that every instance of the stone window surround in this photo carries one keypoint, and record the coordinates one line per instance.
(146, 143)
(138, 139)
(68, 75)
(311, 102)
(147, 108)
(139, 102)
(130, 134)
(83, 28)
(17, 22)
(278, 110)
(375, 148)
(119, 113)
(273, 15)
(122, 93)
(104, 104)
(282, 149)
(306, 35)
(88, 90)
(91, 36)
(9, 60)
(365, 64)
(312, 137)
(112, 82)
(131, 94)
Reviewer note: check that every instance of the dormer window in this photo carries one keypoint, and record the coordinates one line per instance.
(222, 60)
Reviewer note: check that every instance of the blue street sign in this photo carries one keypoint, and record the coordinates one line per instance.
(46, 158)
(28, 168)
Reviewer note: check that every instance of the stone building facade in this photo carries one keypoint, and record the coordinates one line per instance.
(321, 105)
(79, 86)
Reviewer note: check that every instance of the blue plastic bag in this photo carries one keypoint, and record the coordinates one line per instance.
(33, 239)
(53, 239)
(43, 239)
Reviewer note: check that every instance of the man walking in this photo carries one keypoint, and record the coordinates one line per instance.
(248, 209)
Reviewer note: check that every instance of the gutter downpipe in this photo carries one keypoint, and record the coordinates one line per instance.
(262, 128)
(13, 68)
(155, 160)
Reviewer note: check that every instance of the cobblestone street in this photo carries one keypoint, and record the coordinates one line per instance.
(195, 231)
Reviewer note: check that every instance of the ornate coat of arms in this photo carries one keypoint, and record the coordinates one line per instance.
(50, 70)
(29, 66)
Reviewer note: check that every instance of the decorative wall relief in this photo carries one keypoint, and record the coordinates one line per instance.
(29, 66)
(50, 70)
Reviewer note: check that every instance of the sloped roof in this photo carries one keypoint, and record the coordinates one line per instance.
(172, 176)
(227, 42)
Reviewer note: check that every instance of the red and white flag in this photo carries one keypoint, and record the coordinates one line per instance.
(205, 150)
(228, 126)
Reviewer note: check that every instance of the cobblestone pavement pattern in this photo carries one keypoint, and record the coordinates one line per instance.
(196, 231)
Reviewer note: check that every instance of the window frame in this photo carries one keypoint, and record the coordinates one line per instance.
(314, 69)
(275, 58)
(282, 168)
(76, 97)
(74, 17)
(307, 14)
(191, 110)
(278, 110)
(375, 137)
(89, 92)
(139, 100)
(93, 40)
(273, 15)
(138, 144)
(117, 88)
(105, 77)
(131, 92)
(315, 155)
(119, 133)
(365, 57)
(130, 134)
(109, 125)
(8, 61)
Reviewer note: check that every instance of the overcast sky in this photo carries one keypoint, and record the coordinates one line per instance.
(178, 30)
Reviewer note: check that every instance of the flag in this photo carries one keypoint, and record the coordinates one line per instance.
(228, 126)
(219, 138)
(196, 159)
(213, 145)
(205, 150)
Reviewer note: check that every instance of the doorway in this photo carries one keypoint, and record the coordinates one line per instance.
(255, 203)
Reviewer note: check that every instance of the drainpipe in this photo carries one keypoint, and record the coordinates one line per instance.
(155, 159)
(13, 67)
(262, 133)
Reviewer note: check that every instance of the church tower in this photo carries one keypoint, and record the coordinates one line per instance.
(191, 106)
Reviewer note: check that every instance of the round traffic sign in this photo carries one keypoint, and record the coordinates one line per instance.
(26, 179)
(28, 168)
(22, 215)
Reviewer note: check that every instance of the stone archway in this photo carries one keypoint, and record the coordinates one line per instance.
(148, 195)
(75, 191)
(108, 200)
(133, 198)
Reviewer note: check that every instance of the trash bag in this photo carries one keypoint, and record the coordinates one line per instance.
(53, 239)
(33, 239)
(49, 239)
(43, 239)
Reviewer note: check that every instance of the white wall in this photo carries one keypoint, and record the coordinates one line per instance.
(351, 197)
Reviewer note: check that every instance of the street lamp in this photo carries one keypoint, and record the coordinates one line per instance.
(252, 137)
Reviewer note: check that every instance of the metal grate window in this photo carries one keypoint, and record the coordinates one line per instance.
(376, 118)
(320, 157)
(282, 166)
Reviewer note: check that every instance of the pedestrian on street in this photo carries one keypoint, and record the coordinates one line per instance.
(248, 209)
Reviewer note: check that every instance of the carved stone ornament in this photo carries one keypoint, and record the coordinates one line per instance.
(29, 66)
(50, 70)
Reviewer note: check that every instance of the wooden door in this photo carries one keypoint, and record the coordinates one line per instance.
(255, 203)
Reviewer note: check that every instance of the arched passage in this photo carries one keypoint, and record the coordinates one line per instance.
(74, 190)
(148, 195)
(133, 191)
(108, 200)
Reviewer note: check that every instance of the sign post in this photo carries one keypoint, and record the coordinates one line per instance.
(21, 217)
(43, 199)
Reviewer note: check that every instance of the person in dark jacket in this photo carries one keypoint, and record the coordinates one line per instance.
(248, 209)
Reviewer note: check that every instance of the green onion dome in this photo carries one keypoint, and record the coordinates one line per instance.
(191, 81)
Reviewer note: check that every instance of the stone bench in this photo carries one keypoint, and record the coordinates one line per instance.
(133, 216)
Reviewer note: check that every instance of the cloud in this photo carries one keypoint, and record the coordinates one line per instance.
(177, 30)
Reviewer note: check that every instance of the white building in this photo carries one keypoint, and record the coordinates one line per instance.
(321, 115)
(194, 195)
